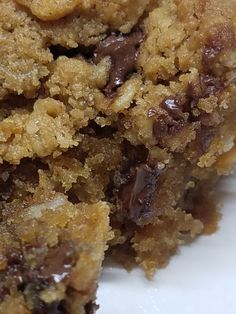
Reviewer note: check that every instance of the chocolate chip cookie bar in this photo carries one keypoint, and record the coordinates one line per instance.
(116, 120)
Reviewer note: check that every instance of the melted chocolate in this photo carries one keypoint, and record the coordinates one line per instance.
(222, 38)
(210, 85)
(14, 257)
(164, 126)
(206, 86)
(160, 128)
(138, 194)
(58, 263)
(169, 122)
(210, 52)
(91, 308)
(123, 51)
(16, 265)
(205, 137)
(174, 108)
(53, 268)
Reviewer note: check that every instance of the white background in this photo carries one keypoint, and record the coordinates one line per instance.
(201, 279)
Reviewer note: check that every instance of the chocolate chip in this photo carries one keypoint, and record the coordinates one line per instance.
(205, 138)
(205, 86)
(15, 265)
(13, 275)
(194, 92)
(58, 263)
(14, 257)
(164, 127)
(169, 120)
(174, 107)
(221, 38)
(137, 195)
(210, 85)
(54, 265)
(210, 52)
(123, 51)
(91, 308)
(160, 129)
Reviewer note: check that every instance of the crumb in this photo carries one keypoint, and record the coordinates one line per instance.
(117, 119)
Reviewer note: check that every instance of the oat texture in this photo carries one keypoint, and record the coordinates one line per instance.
(116, 120)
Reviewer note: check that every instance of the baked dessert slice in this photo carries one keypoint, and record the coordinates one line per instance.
(51, 252)
(51, 249)
(116, 120)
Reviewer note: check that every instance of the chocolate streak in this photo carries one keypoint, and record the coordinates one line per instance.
(58, 263)
(122, 50)
(55, 267)
(170, 122)
(138, 194)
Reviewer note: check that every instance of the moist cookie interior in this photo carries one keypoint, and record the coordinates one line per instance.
(117, 119)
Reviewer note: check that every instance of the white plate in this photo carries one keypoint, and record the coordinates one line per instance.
(201, 279)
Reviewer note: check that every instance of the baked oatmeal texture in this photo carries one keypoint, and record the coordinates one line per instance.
(116, 120)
